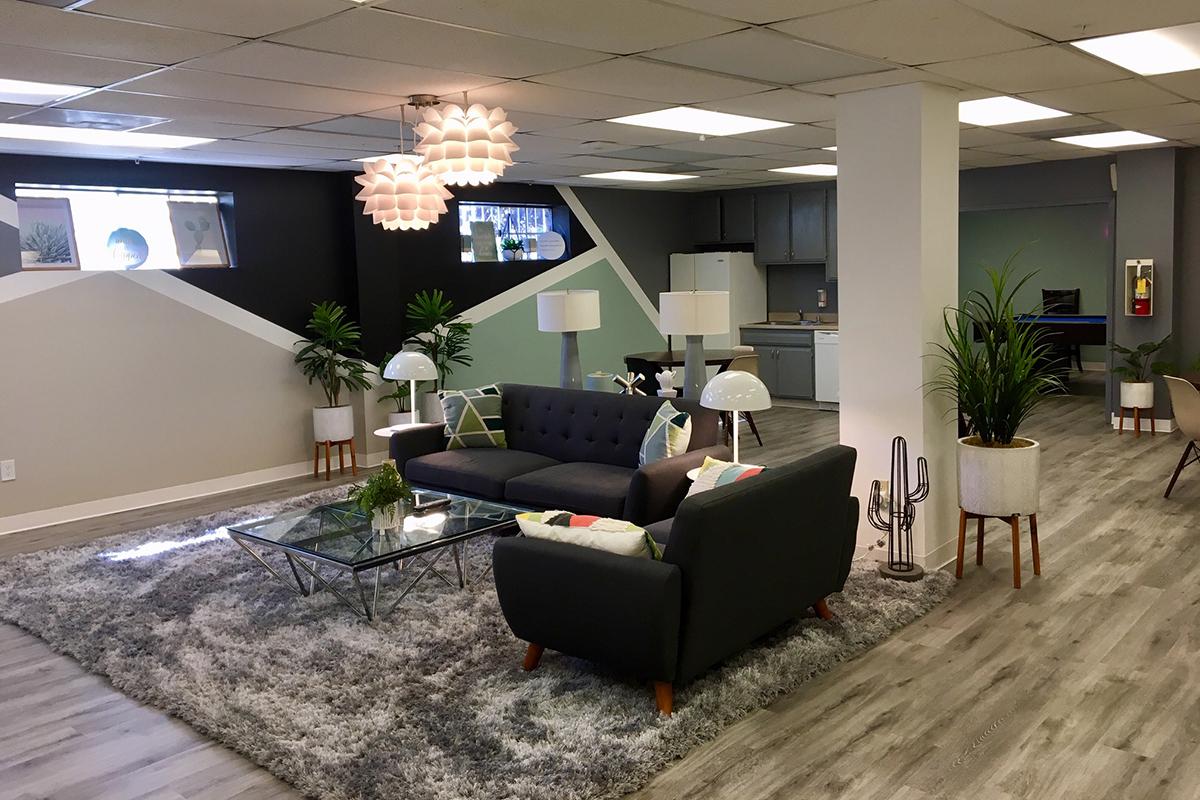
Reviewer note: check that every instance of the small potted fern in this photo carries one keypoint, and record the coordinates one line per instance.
(380, 496)
(1137, 388)
(398, 395)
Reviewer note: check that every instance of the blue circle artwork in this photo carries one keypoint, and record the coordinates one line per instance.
(128, 248)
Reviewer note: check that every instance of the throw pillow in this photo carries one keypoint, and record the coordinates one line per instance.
(473, 417)
(668, 435)
(714, 473)
(599, 533)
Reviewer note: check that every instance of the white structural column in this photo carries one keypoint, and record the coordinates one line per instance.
(897, 271)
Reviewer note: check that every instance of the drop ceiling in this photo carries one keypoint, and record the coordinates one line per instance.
(313, 84)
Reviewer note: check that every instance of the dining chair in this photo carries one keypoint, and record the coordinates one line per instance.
(744, 360)
(1064, 301)
(1185, 405)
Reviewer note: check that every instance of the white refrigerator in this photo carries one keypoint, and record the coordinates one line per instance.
(735, 273)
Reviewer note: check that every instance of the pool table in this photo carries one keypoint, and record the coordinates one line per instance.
(1081, 329)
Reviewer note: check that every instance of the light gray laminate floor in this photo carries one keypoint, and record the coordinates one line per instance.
(1083, 684)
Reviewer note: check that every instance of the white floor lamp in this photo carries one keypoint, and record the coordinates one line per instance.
(692, 315)
(567, 312)
(411, 366)
(735, 391)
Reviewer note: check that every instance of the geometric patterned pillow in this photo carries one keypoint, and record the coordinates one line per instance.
(611, 535)
(668, 435)
(714, 473)
(473, 417)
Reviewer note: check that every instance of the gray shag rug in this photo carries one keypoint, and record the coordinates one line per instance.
(429, 703)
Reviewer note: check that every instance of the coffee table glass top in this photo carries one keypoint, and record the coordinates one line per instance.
(341, 533)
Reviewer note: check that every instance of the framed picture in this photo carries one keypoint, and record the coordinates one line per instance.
(199, 234)
(47, 233)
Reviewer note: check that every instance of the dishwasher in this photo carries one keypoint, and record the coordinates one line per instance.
(825, 345)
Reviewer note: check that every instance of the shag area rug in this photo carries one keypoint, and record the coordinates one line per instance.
(428, 703)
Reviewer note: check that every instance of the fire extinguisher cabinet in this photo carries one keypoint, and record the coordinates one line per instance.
(1139, 287)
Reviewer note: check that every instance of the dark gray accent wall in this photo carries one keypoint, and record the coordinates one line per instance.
(1187, 284)
(10, 248)
(793, 287)
(644, 227)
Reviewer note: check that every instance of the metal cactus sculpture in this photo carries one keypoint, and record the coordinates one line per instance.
(897, 519)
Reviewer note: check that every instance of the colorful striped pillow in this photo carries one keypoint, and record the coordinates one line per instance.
(714, 473)
(599, 533)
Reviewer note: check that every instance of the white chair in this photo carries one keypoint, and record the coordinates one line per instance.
(1185, 404)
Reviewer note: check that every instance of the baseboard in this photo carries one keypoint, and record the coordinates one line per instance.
(1160, 425)
(1094, 366)
(170, 494)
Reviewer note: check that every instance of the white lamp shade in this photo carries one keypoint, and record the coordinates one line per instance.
(400, 193)
(569, 310)
(466, 147)
(409, 365)
(734, 390)
(693, 313)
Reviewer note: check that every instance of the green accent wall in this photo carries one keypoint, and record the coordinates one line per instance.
(508, 347)
(1069, 247)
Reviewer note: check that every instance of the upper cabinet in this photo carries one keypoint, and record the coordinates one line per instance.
(808, 224)
(790, 227)
(772, 228)
(831, 261)
(723, 218)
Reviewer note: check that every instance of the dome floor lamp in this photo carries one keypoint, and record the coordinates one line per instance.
(568, 312)
(411, 366)
(736, 391)
(692, 315)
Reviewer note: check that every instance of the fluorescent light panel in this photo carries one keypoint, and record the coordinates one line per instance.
(1004, 111)
(825, 170)
(1107, 141)
(33, 93)
(832, 148)
(388, 157)
(697, 120)
(647, 177)
(1155, 52)
(98, 138)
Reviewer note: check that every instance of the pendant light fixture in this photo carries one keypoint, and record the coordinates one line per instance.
(466, 147)
(399, 192)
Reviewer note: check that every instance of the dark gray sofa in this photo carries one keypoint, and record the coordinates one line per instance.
(739, 561)
(567, 449)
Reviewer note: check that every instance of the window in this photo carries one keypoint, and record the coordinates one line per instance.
(491, 232)
(109, 228)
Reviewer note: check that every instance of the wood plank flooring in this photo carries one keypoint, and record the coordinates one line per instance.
(1083, 684)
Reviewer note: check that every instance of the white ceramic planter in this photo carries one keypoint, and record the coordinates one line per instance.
(385, 518)
(999, 481)
(431, 407)
(399, 418)
(333, 424)
(1137, 395)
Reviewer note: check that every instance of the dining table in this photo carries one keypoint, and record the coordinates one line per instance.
(653, 362)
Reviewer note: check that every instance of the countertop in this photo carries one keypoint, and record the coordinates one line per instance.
(787, 326)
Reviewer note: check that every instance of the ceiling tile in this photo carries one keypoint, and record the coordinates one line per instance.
(727, 146)
(542, 99)
(84, 34)
(204, 129)
(359, 126)
(977, 158)
(1159, 116)
(795, 136)
(1048, 67)
(1184, 83)
(1064, 126)
(876, 80)
(982, 137)
(621, 134)
(590, 163)
(337, 141)
(749, 163)
(529, 122)
(910, 31)
(277, 62)
(208, 110)
(191, 156)
(235, 17)
(681, 154)
(254, 91)
(29, 64)
(1034, 147)
(535, 148)
(614, 26)
(1109, 96)
(276, 150)
(1064, 20)
(760, 12)
(1176, 132)
(392, 37)
(785, 105)
(332, 166)
(648, 80)
(766, 55)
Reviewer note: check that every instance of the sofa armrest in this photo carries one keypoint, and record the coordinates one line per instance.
(617, 610)
(657, 489)
(852, 513)
(418, 440)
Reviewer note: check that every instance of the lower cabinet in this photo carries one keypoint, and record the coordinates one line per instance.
(788, 371)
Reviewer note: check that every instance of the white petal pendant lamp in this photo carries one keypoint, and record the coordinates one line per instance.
(466, 148)
(401, 193)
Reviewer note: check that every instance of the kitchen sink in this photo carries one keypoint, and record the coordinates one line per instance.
(808, 323)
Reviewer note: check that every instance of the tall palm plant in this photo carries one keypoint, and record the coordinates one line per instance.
(436, 331)
(329, 355)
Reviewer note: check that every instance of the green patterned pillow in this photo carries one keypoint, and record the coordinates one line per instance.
(473, 417)
(669, 434)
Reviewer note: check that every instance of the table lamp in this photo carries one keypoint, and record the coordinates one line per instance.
(735, 391)
(569, 311)
(411, 366)
(691, 315)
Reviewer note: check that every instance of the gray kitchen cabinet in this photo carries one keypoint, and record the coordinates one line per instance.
(796, 375)
(772, 228)
(807, 225)
(790, 227)
(831, 259)
(737, 218)
(786, 361)
(768, 368)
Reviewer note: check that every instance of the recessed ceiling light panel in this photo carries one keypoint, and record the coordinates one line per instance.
(646, 177)
(697, 120)
(98, 138)
(1155, 52)
(832, 148)
(1110, 140)
(1004, 111)
(33, 93)
(824, 170)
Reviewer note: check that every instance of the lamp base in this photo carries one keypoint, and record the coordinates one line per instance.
(695, 372)
(570, 374)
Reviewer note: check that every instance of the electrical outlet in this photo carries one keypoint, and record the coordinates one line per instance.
(8, 470)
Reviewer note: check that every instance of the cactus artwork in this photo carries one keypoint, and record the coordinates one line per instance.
(896, 518)
(50, 242)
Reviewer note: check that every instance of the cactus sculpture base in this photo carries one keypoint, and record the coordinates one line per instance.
(914, 573)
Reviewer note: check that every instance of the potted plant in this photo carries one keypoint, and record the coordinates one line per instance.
(513, 248)
(996, 383)
(327, 357)
(1137, 390)
(439, 333)
(380, 496)
(398, 395)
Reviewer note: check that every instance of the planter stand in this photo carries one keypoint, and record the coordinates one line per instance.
(1137, 421)
(341, 457)
(1015, 522)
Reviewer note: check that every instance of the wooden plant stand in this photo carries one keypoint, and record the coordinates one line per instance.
(1015, 522)
(1137, 421)
(341, 457)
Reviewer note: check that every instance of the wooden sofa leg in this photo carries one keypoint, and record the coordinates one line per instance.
(664, 695)
(822, 609)
(533, 656)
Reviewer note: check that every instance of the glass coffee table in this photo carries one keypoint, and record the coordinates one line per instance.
(337, 538)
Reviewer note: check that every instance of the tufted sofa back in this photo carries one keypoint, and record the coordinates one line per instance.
(600, 427)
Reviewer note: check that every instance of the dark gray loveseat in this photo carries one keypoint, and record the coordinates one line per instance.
(567, 449)
(739, 561)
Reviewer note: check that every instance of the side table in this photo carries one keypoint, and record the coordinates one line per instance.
(341, 457)
(1015, 522)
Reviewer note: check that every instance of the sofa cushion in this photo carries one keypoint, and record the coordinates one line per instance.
(661, 531)
(587, 530)
(480, 472)
(580, 487)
